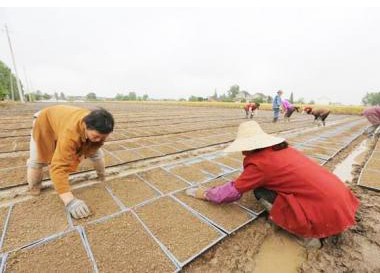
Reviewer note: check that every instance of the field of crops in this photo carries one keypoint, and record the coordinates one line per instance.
(142, 221)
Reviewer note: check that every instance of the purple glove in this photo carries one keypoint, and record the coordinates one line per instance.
(223, 193)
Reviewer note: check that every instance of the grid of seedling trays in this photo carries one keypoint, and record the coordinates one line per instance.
(370, 174)
(142, 222)
(142, 132)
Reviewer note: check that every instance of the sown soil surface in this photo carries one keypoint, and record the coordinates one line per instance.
(131, 190)
(178, 229)
(166, 149)
(126, 155)
(63, 255)
(34, 219)
(163, 180)
(370, 178)
(147, 152)
(190, 174)
(121, 244)
(12, 176)
(209, 167)
(228, 216)
(229, 162)
(98, 200)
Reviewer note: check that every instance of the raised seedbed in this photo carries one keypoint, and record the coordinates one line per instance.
(98, 200)
(163, 180)
(131, 190)
(121, 244)
(34, 219)
(184, 234)
(65, 254)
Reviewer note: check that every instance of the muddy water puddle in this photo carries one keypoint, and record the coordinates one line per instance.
(343, 169)
(279, 253)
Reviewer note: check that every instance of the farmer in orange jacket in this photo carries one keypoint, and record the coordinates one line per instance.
(61, 137)
(301, 196)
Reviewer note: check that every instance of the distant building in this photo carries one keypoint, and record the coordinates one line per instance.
(244, 95)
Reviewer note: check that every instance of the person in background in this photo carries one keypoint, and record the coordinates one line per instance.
(251, 109)
(319, 114)
(288, 109)
(301, 196)
(373, 116)
(276, 105)
(61, 137)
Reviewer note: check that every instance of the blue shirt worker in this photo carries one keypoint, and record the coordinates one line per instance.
(276, 105)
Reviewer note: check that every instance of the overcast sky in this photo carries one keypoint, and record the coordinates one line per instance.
(317, 53)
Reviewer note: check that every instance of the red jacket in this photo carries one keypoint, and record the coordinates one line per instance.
(311, 201)
(252, 106)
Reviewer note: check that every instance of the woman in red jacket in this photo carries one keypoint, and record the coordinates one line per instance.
(301, 196)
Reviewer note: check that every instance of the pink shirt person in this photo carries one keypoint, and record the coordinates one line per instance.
(373, 115)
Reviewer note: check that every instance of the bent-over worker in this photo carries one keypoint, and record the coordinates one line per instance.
(319, 114)
(301, 196)
(373, 116)
(61, 137)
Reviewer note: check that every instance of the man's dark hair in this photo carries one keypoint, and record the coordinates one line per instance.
(100, 120)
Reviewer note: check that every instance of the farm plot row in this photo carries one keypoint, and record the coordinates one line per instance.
(370, 174)
(21, 143)
(141, 223)
(138, 115)
(13, 170)
(326, 143)
(138, 225)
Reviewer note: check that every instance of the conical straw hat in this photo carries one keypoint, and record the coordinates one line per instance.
(250, 136)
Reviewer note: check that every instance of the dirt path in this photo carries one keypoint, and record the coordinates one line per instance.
(261, 247)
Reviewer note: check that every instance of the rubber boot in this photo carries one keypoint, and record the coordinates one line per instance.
(266, 204)
(309, 243)
(34, 177)
(99, 166)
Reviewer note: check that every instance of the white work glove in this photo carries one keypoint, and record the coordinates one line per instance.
(78, 209)
(198, 193)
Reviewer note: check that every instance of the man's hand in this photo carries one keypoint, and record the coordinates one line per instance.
(78, 209)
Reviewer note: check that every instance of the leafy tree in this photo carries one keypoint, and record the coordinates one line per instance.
(62, 96)
(233, 91)
(5, 83)
(46, 96)
(371, 98)
(91, 96)
(269, 99)
(132, 95)
(145, 97)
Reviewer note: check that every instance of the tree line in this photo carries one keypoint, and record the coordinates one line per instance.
(8, 85)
